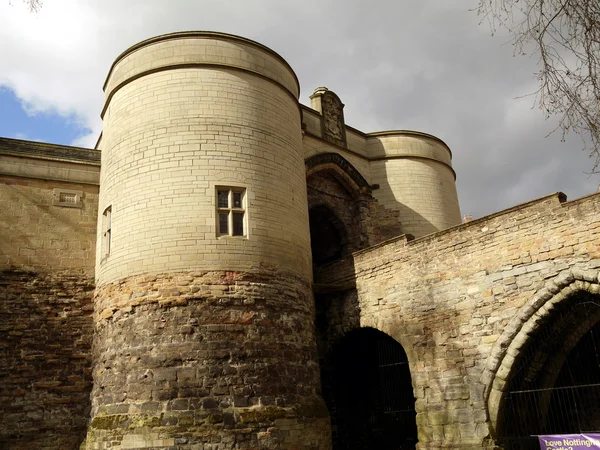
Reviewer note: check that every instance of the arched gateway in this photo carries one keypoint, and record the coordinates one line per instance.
(548, 381)
(369, 393)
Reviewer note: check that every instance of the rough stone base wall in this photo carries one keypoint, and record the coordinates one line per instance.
(45, 359)
(337, 314)
(207, 360)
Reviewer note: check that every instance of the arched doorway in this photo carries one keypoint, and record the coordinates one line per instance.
(554, 384)
(368, 390)
(328, 237)
(364, 373)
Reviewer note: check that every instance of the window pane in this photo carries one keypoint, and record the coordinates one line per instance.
(237, 199)
(223, 223)
(238, 224)
(223, 199)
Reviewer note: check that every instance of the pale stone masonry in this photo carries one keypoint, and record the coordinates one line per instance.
(464, 300)
(189, 284)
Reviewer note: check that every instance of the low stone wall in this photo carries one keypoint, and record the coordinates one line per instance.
(45, 359)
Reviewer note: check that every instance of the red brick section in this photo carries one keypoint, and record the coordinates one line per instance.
(450, 296)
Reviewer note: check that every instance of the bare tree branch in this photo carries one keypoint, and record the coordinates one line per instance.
(565, 34)
(33, 5)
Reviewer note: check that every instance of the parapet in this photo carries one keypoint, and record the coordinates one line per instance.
(195, 49)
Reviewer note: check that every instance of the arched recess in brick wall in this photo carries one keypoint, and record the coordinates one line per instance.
(340, 168)
(368, 391)
(543, 375)
(329, 235)
(338, 198)
(334, 183)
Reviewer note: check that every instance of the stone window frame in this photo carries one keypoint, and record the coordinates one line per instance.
(231, 210)
(67, 197)
(106, 242)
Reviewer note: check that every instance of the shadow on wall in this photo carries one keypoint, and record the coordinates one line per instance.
(45, 367)
(415, 177)
(413, 222)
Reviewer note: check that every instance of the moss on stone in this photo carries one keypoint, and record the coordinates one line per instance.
(141, 421)
(214, 418)
(185, 421)
(105, 422)
(111, 422)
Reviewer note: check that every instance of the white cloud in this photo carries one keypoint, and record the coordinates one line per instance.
(395, 64)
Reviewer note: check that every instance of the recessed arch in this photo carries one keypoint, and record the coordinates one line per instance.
(369, 392)
(337, 208)
(329, 236)
(545, 313)
(341, 169)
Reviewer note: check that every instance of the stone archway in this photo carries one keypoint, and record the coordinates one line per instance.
(329, 236)
(369, 393)
(334, 183)
(338, 203)
(344, 171)
(532, 364)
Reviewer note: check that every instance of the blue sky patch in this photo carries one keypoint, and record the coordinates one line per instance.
(16, 123)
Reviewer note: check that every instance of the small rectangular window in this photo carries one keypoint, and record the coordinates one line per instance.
(106, 231)
(223, 199)
(238, 224)
(68, 198)
(231, 211)
(223, 223)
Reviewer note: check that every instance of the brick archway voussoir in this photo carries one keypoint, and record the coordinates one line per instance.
(516, 335)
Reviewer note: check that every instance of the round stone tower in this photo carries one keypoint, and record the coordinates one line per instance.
(203, 307)
(414, 171)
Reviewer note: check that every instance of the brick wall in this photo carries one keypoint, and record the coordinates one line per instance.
(45, 359)
(204, 338)
(172, 136)
(453, 300)
(38, 235)
(199, 358)
(46, 286)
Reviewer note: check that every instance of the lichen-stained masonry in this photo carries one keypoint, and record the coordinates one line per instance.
(214, 335)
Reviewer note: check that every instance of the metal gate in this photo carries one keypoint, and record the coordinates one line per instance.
(372, 406)
(572, 403)
(559, 410)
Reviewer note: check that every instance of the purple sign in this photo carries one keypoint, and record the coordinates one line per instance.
(570, 441)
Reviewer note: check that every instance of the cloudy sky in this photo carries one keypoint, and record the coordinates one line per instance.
(425, 65)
